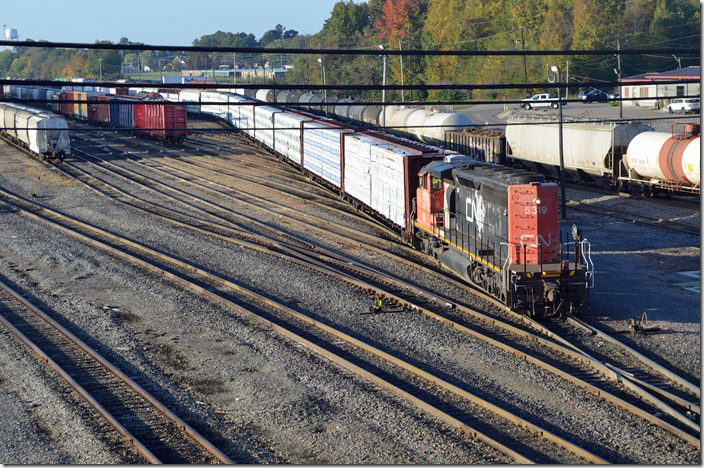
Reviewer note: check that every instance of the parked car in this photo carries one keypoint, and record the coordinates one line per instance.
(583, 93)
(684, 106)
(614, 95)
(541, 100)
(595, 95)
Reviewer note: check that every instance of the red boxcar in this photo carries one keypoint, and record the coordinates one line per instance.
(160, 120)
(98, 112)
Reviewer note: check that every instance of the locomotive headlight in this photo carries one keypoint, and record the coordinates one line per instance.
(537, 201)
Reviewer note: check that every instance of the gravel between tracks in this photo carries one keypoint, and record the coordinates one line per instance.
(313, 413)
(269, 400)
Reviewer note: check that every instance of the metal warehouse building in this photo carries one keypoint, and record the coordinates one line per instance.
(661, 94)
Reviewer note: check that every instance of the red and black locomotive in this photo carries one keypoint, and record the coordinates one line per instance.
(498, 228)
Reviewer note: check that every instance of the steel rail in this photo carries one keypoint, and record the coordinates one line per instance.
(294, 217)
(282, 188)
(601, 368)
(345, 240)
(574, 354)
(43, 214)
(126, 435)
(638, 390)
(688, 405)
(640, 357)
(637, 218)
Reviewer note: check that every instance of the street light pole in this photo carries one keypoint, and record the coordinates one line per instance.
(322, 71)
(620, 90)
(100, 64)
(554, 76)
(383, 92)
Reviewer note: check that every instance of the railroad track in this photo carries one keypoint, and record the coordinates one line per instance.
(603, 372)
(594, 377)
(690, 202)
(636, 218)
(516, 441)
(145, 425)
(434, 299)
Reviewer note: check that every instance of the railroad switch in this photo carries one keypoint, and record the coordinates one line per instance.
(637, 327)
(377, 307)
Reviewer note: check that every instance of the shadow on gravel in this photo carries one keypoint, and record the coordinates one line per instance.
(232, 441)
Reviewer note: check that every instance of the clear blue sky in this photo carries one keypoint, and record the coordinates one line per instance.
(158, 22)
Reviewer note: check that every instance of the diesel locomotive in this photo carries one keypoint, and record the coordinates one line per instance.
(498, 229)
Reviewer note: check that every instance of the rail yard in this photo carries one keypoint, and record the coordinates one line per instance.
(212, 255)
(237, 292)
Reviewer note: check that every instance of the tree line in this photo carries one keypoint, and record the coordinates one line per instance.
(423, 25)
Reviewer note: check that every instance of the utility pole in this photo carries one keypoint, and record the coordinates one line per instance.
(525, 67)
(139, 66)
(100, 64)
(567, 80)
(234, 68)
(383, 91)
(679, 61)
(161, 72)
(554, 77)
(403, 91)
(620, 90)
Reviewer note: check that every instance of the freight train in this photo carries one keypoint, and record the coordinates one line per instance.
(594, 152)
(167, 123)
(493, 226)
(41, 132)
(628, 157)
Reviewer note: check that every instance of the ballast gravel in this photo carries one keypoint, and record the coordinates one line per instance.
(228, 371)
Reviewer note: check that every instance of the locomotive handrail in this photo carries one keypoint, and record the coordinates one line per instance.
(586, 254)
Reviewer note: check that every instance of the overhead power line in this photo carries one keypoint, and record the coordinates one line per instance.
(286, 87)
(260, 50)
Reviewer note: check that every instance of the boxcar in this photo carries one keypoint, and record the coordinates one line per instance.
(164, 122)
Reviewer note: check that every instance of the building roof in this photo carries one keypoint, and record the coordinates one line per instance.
(688, 73)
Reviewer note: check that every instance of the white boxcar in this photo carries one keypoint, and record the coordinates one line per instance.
(321, 150)
(264, 123)
(375, 175)
(287, 137)
(188, 96)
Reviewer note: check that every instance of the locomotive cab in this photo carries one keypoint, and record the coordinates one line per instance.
(498, 229)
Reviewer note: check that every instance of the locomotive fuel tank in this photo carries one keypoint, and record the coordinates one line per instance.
(673, 157)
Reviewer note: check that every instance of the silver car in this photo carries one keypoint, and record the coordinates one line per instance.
(683, 106)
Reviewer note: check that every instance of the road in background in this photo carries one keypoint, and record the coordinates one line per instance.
(495, 115)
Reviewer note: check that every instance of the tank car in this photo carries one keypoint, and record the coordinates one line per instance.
(498, 229)
(669, 161)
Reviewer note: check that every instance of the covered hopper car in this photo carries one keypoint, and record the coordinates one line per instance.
(41, 132)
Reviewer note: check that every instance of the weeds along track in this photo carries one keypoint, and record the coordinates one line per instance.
(500, 429)
(562, 358)
(145, 425)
